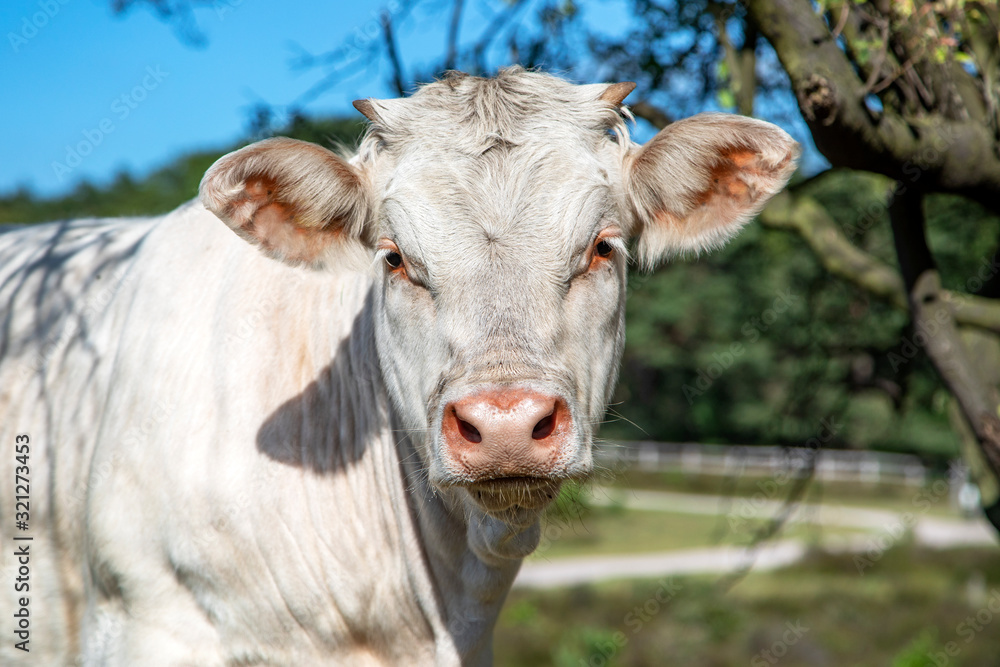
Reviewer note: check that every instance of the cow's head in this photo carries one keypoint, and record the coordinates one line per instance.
(500, 213)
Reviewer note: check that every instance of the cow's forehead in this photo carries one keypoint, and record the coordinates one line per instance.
(537, 206)
(521, 166)
(473, 115)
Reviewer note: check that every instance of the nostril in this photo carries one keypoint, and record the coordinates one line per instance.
(544, 427)
(468, 431)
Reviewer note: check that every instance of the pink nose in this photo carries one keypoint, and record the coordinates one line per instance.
(510, 433)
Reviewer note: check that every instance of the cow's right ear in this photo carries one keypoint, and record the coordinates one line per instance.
(298, 202)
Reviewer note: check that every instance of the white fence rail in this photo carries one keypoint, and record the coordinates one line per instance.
(831, 464)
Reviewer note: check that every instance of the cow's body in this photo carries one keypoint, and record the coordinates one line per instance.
(302, 505)
(239, 461)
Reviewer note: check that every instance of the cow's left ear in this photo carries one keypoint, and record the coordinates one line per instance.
(297, 201)
(698, 181)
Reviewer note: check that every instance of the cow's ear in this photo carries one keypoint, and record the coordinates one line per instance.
(298, 202)
(698, 181)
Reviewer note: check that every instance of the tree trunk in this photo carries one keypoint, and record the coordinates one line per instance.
(935, 330)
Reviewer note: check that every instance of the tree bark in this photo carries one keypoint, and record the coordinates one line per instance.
(936, 331)
(941, 153)
(798, 212)
(742, 61)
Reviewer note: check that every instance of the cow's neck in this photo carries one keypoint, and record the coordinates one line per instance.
(461, 562)
(473, 558)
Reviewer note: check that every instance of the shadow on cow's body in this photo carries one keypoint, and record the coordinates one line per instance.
(312, 430)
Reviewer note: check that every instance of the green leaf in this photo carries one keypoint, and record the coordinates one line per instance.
(725, 98)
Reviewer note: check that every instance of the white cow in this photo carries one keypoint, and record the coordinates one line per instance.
(335, 452)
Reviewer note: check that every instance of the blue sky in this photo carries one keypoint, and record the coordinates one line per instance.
(88, 93)
(77, 73)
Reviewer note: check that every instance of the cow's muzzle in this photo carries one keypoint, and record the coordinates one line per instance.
(508, 446)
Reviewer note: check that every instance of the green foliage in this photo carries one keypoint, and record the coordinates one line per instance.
(719, 619)
(572, 504)
(162, 191)
(917, 654)
(522, 612)
(587, 646)
(910, 604)
(725, 98)
(809, 346)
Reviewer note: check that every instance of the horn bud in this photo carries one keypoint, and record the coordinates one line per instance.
(616, 93)
(366, 108)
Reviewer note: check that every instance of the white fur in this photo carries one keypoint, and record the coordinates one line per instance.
(237, 460)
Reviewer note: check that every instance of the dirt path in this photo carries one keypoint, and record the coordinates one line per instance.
(587, 569)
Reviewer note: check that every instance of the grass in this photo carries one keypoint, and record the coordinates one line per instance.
(614, 530)
(906, 608)
(577, 527)
(902, 612)
(932, 499)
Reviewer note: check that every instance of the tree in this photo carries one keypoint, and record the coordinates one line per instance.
(910, 90)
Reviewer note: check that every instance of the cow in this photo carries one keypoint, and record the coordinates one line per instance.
(328, 437)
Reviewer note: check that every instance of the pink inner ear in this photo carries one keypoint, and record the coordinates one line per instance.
(733, 177)
(259, 190)
(734, 184)
(277, 226)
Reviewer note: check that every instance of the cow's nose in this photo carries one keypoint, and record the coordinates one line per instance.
(507, 433)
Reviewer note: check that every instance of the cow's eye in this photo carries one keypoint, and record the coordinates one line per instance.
(606, 245)
(394, 260)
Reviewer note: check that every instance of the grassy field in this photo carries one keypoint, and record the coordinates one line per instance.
(882, 496)
(909, 607)
(906, 611)
(614, 530)
(580, 525)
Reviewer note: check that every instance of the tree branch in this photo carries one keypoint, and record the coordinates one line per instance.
(451, 56)
(975, 311)
(393, 54)
(651, 113)
(950, 155)
(934, 320)
(747, 70)
(935, 312)
(906, 213)
(806, 216)
(741, 62)
(835, 251)
(945, 348)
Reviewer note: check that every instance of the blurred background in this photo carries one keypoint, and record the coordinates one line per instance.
(800, 465)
